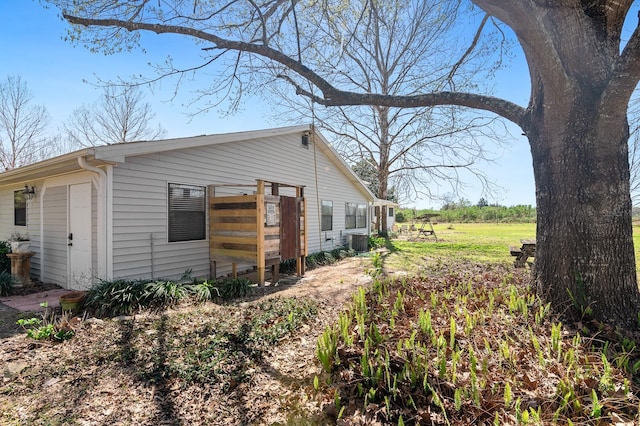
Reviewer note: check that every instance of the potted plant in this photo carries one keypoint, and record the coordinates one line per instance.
(71, 302)
(20, 243)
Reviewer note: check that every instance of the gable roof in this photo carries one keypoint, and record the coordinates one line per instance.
(118, 153)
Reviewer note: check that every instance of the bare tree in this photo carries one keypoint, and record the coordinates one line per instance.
(582, 76)
(395, 48)
(22, 126)
(121, 115)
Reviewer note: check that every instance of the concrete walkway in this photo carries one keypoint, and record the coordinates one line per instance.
(31, 302)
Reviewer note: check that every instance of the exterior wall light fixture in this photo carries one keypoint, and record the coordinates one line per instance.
(29, 192)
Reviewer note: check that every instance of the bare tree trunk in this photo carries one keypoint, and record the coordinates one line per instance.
(383, 167)
(383, 192)
(585, 260)
(384, 225)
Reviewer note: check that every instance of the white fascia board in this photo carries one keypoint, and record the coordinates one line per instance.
(62, 164)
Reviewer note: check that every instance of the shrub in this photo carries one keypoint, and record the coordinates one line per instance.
(164, 293)
(125, 297)
(38, 330)
(204, 291)
(119, 297)
(48, 327)
(311, 261)
(342, 253)
(323, 258)
(460, 212)
(231, 288)
(5, 262)
(7, 281)
(376, 242)
(288, 266)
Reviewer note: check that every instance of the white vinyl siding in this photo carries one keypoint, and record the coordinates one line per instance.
(7, 226)
(6, 213)
(94, 232)
(141, 245)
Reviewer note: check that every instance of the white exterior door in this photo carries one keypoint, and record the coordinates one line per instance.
(79, 238)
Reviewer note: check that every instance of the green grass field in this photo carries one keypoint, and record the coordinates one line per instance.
(480, 242)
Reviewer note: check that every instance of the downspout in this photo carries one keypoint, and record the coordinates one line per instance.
(101, 213)
(82, 161)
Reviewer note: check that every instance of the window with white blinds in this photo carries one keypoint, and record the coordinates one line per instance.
(187, 214)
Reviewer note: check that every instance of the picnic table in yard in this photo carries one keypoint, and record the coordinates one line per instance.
(527, 250)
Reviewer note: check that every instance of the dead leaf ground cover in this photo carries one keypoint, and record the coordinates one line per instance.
(251, 361)
(469, 344)
(437, 337)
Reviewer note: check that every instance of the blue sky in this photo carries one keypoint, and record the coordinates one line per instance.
(59, 76)
(62, 77)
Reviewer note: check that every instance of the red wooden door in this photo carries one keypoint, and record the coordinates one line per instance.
(289, 227)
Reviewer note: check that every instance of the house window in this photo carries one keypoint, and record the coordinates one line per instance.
(355, 216)
(19, 208)
(350, 210)
(390, 211)
(361, 220)
(187, 216)
(327, 215)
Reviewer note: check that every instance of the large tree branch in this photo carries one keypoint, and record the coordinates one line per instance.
(432, 166)
(616, 11)
(542, 28)
(501, 107)
(470, 49)
(627, 69)
(331, 95)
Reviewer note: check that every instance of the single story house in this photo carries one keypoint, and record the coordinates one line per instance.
(140, 210)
